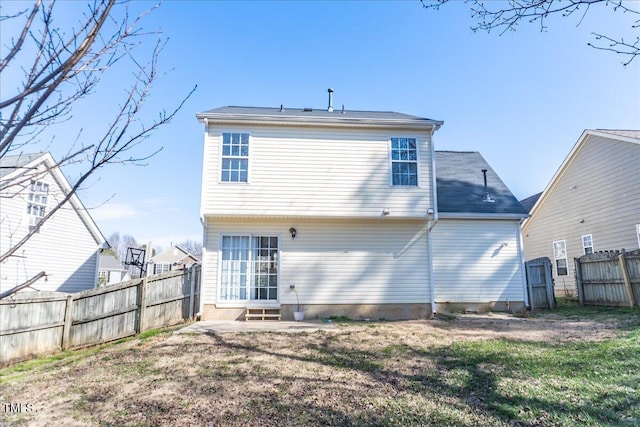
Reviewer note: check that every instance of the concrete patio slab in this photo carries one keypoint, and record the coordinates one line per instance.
(228, 326)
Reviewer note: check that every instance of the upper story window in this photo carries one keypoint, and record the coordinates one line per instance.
(587, 244)
(404, 161)
(37, 204)
(161, 268)
(235, 157)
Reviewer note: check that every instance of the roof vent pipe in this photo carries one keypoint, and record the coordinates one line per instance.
(330, 109)
(486, 198)
(282, 108)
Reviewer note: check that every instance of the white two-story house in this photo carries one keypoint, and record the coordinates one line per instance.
(331, 212)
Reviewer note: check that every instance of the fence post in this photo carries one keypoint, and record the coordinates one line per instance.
(192, 292)
(141, 303)
(578, 271)
(68, 322)
(625, 277)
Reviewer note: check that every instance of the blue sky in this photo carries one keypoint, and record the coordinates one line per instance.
(521, 99)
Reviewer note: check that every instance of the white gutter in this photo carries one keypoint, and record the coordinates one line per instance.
(432, 223)
(203, 280)
(472, 215)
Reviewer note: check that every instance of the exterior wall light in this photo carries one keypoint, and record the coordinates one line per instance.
(293, 232)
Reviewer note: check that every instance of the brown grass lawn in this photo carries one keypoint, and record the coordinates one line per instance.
(566, 367)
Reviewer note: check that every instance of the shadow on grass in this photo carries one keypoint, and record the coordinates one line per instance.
(509, 382)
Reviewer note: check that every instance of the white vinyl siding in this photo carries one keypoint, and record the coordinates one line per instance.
(64, 248)
(477, 261)
(596, 194)
(335, 261)
(311, 172)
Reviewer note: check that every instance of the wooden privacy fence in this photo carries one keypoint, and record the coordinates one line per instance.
(33, 325)
(609, 278)
(540, 283)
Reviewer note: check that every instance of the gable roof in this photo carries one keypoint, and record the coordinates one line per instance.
(632, 136)
(318, 117)
(109, 261)
(460, 187)
(23, 163)
(174, 254)
(10, 164)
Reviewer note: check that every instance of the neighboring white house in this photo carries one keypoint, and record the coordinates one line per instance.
(591, 204)
(67, 245)
(111, 271)
(174, 258)
(332, 209)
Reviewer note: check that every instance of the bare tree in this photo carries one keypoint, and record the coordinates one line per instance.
(192, 246)
(61, 67)
(505, 16)
(120, 243)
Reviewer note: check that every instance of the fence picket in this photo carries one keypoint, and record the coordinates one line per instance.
(32, 326)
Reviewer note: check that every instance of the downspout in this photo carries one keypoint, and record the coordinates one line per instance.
(522, 264)
(204, 222)
(432, 223)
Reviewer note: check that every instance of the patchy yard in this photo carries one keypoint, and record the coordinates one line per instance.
(569, 367)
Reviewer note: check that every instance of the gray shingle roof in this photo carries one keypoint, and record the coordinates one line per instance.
(530, 201)
(635, 134)
(10, 163)
(109, 262)
(460, 185)
(312, 113)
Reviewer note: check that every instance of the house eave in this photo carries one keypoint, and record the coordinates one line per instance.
(313, 217)
(474, 215)
(351, 122)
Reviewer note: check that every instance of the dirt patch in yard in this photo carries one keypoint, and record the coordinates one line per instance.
(365, 373)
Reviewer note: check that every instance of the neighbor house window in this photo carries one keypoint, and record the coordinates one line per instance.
(587, 244)
(249, 268)
(404, 161)
(161, 268)
(560, 255)
(235, 157)
(103, 277)
(37, 203)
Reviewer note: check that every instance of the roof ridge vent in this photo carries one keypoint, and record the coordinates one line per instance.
(307, 109)
(486, 198)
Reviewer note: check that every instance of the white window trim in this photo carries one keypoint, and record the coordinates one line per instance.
(248, 303)
(33, 220)
(584, 248)
(566, 257)
(155, 267)
(638, 233)
(417, 161)
(220, 148)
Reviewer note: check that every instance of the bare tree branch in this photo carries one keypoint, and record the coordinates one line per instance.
(61, 68)
(507, 16)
